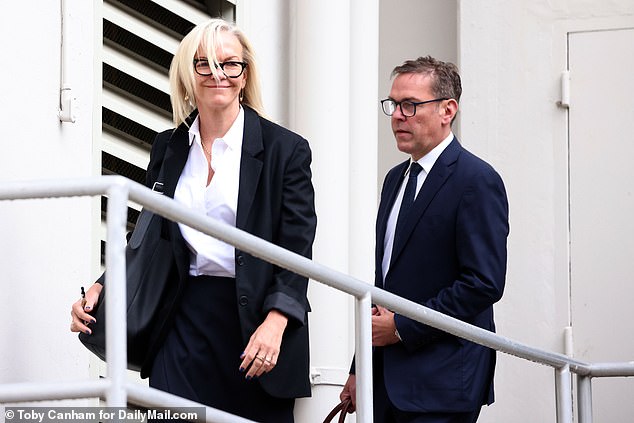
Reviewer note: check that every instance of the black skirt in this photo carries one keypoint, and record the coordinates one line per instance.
(200, 358)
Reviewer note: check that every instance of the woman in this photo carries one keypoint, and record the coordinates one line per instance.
(238, 340)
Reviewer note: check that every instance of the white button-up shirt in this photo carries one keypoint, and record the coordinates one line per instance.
(218, 200)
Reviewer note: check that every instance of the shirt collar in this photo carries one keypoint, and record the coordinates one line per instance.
(428, 160)
(233, 137)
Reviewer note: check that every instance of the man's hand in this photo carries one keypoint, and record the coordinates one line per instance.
(383, 327)
(350, 392)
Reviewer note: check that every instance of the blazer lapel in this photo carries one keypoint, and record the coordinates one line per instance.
(250, 165)
(440, 172)
(176, 157)
(390, 189)
(174, 161)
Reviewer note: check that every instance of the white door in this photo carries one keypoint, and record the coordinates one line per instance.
(601, 169)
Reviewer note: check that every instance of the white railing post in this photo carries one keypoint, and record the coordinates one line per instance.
(584, 398)
(116, 323)
(363, 357)
(563, 387)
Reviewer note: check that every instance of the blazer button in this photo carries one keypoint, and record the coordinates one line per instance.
(240, 260)
(243, 300)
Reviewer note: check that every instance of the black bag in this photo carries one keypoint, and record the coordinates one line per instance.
(150, 281)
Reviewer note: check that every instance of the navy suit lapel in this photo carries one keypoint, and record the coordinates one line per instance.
(390, 189)
(250, 165)
(440, 172)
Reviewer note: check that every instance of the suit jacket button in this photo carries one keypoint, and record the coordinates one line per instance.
(240, 260)
(243, 300)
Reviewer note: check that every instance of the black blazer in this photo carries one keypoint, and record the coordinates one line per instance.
(452, 260)
(275, 203)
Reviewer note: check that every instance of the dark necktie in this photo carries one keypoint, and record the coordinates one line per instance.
(408, 197)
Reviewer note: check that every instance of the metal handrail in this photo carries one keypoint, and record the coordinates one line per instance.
(117, 391)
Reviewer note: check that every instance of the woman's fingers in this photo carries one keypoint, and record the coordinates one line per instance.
(258, 360)
(80, 310)
(260, 355)
(80, 319)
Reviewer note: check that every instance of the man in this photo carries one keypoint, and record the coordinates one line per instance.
(447, 251)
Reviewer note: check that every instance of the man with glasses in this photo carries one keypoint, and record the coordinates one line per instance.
(441, 234)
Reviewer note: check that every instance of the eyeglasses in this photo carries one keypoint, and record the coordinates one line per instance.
(232, 69)
(408, 108)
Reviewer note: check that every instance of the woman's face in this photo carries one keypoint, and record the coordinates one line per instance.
(222, 93)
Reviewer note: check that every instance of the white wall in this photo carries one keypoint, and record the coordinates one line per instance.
(47, 250)
(267, 25)
(511, 56)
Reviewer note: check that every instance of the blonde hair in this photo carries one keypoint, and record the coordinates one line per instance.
(182, 76)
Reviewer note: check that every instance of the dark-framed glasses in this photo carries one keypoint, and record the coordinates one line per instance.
(408, 108)
(231, 68)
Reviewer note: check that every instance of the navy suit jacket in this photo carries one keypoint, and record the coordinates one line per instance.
(275, 203)
(452, 259)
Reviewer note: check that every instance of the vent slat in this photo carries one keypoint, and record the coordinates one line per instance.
(144, 93)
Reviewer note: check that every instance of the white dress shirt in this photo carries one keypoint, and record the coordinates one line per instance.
(218, 200)
(426, 162)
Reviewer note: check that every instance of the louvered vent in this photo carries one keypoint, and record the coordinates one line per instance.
(139, 40)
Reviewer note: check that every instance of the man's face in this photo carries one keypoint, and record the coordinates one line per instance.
(419, 134)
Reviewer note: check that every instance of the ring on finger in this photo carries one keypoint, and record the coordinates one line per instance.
(257, 357)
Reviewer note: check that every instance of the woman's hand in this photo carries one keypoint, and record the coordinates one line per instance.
(80, 311)
(260, 355)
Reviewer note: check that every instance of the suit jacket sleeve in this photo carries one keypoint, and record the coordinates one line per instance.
(296, 233)
(481, 230)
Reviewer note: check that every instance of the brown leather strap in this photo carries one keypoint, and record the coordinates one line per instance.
(342, 408)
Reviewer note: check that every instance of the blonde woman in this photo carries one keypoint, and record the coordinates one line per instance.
(237, 338)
